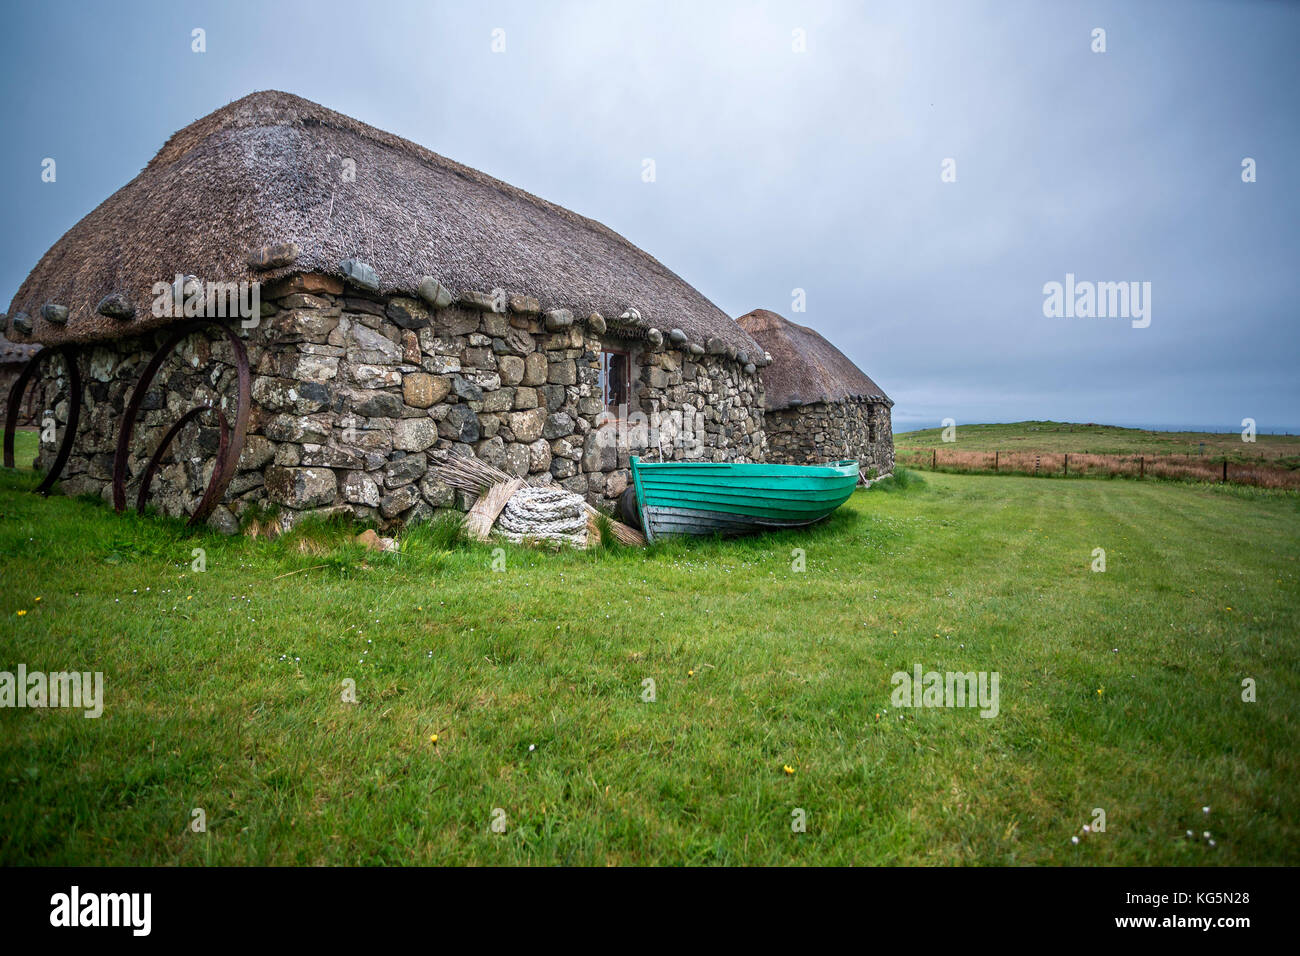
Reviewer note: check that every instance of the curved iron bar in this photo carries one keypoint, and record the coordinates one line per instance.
(156, 460)
(69, 354)
(227, 452)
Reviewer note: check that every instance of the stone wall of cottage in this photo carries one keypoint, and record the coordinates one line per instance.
(821, 432)
(350, 392)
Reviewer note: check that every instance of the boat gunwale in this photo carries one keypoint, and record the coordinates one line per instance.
(839, 469)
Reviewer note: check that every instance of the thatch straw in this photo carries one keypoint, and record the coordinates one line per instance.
(469, 473)
(273, 168)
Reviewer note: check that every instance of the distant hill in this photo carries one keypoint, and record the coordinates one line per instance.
(1090, 438)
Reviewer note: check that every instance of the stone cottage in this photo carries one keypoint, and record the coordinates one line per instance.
(288, 308)
(820, 406)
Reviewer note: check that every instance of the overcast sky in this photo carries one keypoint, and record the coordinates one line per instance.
(778, 170)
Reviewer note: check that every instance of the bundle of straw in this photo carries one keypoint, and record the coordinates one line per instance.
(466, 472)
(473, 475)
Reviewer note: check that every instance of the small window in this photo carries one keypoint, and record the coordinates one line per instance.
(615, 376)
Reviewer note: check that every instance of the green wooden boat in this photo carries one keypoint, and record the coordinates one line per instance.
(695, 497)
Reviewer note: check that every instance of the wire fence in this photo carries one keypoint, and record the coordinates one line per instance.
(1260, 473)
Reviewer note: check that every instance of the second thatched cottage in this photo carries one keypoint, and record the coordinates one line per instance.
(290, 308)
(820, 406)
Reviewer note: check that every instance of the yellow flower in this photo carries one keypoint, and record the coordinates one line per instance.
(690, 673)
(21, 613)
(1098, 691)
(788, 769)
(433, 738)
(38, 600)
(1228, 609)
(189, 597)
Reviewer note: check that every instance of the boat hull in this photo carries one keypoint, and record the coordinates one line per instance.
(704, 498)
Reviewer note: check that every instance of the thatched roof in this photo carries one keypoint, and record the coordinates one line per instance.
(805, 367)
(269, 168)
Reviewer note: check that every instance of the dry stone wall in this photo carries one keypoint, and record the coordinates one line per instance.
(821, 432)
(351, 391)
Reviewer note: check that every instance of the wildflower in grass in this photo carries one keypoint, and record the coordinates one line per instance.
(433, 738)
(38, 600)
(22, 613)
(688, 673)
(788, 769)
(1074, 839)
(1099, 691)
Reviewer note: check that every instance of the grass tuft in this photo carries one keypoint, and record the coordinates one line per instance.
(446, 532)
(903, 479)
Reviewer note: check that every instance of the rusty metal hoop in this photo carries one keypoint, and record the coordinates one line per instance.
(232, 441)
(210, 494)
(69, 354)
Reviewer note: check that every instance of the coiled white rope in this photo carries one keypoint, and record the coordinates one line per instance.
(539, 513)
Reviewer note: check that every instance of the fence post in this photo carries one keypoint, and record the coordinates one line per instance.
(1037, 459)
(995, 462)
(1225, 468)
(934, 459)
(1142, 467)
(1067, 464)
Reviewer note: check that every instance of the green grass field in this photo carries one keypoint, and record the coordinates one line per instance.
(1061, 437)
(223, 689)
